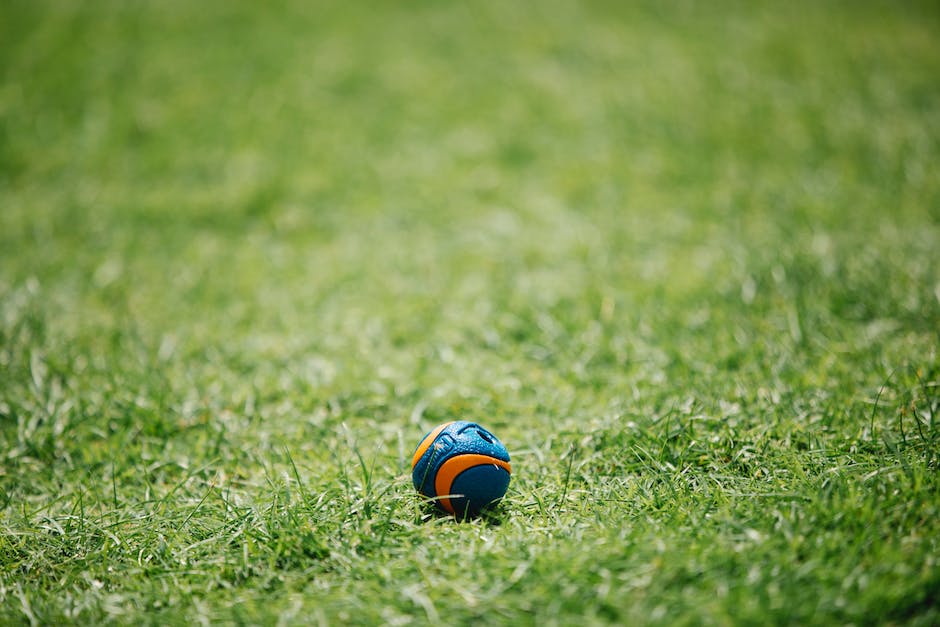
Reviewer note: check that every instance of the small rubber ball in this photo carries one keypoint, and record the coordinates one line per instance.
(462, 466)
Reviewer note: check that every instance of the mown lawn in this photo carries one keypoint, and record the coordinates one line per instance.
(682, 258)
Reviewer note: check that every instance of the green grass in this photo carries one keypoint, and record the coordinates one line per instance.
(682, 258)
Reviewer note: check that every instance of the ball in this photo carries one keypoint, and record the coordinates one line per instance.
(462, 466)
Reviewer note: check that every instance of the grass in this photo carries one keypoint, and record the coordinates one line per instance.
(682, 258)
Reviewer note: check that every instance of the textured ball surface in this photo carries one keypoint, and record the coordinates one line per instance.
(462, 466)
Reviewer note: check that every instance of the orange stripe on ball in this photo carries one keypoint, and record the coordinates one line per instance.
(456, 465)
(426, 443)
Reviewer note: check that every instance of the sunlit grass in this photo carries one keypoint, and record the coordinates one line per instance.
(681, 259)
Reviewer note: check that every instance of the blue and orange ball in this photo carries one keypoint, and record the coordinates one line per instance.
(462, 466)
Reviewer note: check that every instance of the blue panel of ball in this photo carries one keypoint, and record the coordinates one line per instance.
(480, 485)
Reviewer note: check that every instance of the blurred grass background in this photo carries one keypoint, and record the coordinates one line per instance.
(681, 257)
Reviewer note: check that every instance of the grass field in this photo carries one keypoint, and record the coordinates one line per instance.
(682, 258)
